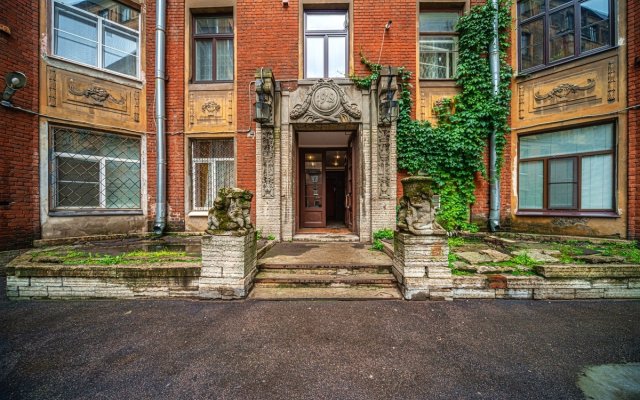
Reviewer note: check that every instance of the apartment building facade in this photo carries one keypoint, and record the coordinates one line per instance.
(82, 159)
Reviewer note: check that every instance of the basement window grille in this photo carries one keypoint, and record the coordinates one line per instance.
(212, 168)
(94, 170)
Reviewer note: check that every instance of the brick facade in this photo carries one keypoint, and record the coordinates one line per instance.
(633, 87)
(258, 43)
(19, 198)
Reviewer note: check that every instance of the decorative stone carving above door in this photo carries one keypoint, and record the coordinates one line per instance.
(325, 101)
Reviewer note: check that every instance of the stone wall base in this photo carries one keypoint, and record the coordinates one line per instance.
(228, 266)
(227, 272)
(420, 264)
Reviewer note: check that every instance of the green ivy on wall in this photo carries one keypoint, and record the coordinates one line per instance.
(452, 151)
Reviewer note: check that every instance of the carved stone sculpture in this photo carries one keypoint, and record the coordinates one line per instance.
(230, 213)
(325, 101)
(417, 211)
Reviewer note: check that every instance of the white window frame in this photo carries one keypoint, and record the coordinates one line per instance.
(102, 180)
(326, 34)
(213, 165)
(100, 21)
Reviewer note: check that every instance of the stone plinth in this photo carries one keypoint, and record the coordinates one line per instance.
(228, 265)
(420, 264)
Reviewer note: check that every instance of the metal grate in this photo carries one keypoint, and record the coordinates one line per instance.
(94, 170)
(212, 167)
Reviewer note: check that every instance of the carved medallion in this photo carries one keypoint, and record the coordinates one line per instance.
(210, 107)
(268, 163)
(325, 101)
(565, 90)
(96, 93)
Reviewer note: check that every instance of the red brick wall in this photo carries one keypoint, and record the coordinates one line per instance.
(267, 36)
(369, 19)
(174, 112)
(480, 209)
(633, 55)
(399, 50)
(19, 198)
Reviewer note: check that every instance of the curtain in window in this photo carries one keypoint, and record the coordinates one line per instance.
(596, 182)
(530, 185)
(337, 56)
(562, 183)
(224, 59)
(204, 60)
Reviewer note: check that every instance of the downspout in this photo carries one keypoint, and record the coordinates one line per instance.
(160, 117)
(494, 178)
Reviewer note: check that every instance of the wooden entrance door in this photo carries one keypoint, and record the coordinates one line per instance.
(313, 207)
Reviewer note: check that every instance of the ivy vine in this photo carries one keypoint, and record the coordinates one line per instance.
(452, 151)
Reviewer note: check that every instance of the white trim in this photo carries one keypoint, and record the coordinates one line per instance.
(100, 26)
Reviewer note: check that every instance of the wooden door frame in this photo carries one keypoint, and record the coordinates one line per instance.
(302, 152)
(299, 178)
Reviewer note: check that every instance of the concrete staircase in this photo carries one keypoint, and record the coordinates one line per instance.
(295, 278)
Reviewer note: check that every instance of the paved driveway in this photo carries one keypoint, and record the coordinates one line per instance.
(316, 350)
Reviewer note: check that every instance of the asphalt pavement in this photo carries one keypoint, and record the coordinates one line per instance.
(174, 349)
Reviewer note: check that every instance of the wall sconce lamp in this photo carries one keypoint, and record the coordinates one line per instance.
(389, 108)
(264, 96)
(13, 82)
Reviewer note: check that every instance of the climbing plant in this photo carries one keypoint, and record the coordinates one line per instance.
(452, 151)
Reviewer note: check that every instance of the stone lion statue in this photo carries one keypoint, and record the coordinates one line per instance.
(231, 212)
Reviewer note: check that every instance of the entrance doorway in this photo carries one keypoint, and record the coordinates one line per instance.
(326, 185)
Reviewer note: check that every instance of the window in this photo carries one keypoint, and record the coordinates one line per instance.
(212, 168)
(213, 48)
(567, 170)
(94, 170)
(438, 45)
(100, 33)
(555, 30)
(325, 44)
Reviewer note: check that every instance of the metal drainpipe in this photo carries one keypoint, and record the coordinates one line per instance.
(494, 178)
(160, 116)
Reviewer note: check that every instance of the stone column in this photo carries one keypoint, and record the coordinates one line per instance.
(228, 265)
(420, 264)
(229, 249)
(420, 257)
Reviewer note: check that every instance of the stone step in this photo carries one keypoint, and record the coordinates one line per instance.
(324, 269)
(269, 278)
(321, 293)
(326, 237)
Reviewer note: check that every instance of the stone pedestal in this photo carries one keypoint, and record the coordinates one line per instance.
(420, 264)
(228, 265)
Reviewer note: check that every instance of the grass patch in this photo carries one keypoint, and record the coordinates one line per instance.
(74, 257)
(378, 236)
(456, 241)
(629, 251)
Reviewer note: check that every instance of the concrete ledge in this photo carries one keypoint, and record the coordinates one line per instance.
(590, 271)
(177, 270)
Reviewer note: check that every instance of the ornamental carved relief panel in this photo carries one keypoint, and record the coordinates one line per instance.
(268, 163)
(210, 109)
(384, 160)
(83, 98)
(571, 90)
(429, 98)
(325, 101)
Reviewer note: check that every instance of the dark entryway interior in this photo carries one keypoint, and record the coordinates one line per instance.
(335, 199)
